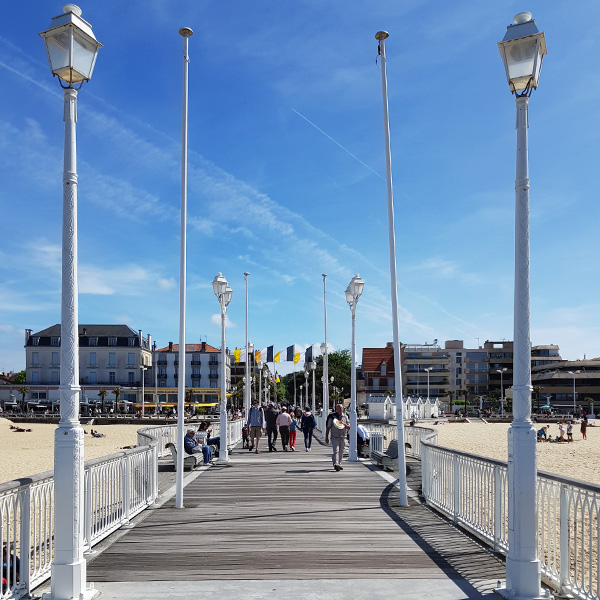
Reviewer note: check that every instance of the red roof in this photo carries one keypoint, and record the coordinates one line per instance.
(373, 357)
(191, 348)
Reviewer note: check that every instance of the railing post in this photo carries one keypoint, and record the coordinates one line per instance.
(87, 508)
(564, 542)
(498, 504)
(424, 453)
(25, 534)
(456, 487)
(126, 489)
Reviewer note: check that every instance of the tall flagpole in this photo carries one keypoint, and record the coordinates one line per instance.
(186, 32)
(247, 367)
(381, 36)
(325, 409)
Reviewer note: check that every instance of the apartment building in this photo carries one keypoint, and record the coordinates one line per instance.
(109, 356)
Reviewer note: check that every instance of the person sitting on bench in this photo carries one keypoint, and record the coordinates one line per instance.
(192, 446)
(362, 437)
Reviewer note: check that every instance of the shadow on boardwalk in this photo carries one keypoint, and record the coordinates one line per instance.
(286, 524)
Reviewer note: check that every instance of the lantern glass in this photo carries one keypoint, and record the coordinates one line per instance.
(227, 295)
(219, 284)
(349, 295)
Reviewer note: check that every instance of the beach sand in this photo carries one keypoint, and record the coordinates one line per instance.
(579, 459)
(26, 454)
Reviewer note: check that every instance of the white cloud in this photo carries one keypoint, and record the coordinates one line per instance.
(166, 284)
(216, 320)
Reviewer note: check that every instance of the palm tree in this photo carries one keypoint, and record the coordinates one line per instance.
(117, 392)
(102, 393)
(537, 390)
(23, 390)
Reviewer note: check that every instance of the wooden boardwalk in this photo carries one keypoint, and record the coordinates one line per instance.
(290, 516)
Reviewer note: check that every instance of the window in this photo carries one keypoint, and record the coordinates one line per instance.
(383, 369)
(93, 341)
(112, 341)
(112, 359)
(162, 384)
(130, 359)
(458, 360)
(195, 371)
(54, 341)
(92, 359)
(55, 377)
(162, 371)
(213, 384)
(93, 377)
(130, 377)
(459, 370)
(35, 377)
(111, 378)
(35, 358)
(35, 341)
(54, 358)
(131, 341)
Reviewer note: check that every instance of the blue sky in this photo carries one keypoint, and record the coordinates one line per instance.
(287, 172)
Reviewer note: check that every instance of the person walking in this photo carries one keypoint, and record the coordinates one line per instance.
(583, 429)
(337, 426)
(293, 432)
(283, 422)
(307, 424)
(256, 424)
(271, 419)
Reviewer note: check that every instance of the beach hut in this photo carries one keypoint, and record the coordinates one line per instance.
(381, 407)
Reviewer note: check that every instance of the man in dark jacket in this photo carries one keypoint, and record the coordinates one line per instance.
(271, 419)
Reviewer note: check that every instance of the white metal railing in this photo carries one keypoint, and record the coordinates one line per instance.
(116, 488)
(473, 492)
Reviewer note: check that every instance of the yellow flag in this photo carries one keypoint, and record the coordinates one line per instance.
(297, 357)
(257, 356)
(237, 354)
(277, 357)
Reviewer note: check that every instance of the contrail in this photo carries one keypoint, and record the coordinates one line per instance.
(339, 145)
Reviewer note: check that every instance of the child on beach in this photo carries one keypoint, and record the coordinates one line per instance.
(570, 431)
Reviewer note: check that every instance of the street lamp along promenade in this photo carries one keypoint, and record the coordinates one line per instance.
(72, 49)
(353, 292)
(223, 293)
(522, 51)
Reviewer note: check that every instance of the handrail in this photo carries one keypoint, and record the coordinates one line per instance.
(473, 491)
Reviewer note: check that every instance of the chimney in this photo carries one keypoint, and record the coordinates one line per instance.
(28, 333)
(170, 346)
(203, 346)
(85, 331)
(149, 342)
(140, 337)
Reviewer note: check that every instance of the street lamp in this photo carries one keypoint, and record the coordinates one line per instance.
(223, 293)
(522, 51)
(72, 50)
(325, 409)
(501, 371)
(574, 394)
(428, 370)
(353, 292)
(143, 369)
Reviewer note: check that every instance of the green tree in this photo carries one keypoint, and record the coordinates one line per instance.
(20, 377)
(117, 392)
(23, 390)
(102, 393)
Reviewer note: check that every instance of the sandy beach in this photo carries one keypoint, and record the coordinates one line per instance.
(579, 459)
(25, 454)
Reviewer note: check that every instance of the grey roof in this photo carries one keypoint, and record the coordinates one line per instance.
(92, 330)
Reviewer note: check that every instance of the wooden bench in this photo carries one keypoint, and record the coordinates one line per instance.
(189, 460)
(388, 460)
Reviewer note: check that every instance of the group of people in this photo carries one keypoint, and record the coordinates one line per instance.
(543, 434)
(275, 421)
(200, 441)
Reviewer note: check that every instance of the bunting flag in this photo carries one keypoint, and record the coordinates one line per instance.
(279, 355)
(257, 355)
(237, 355)
(277, 380)
(297, 357)
(290, 353)
(269, 354)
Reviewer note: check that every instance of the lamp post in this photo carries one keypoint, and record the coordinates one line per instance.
(247, 365)
(325, 408)
(313, 367)
(223, 293)
(353, 292)
(522, 51)
(501, 371)
(428, 370)
(381, 36)
(574, 394)
(72, 50)
(143, 369)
